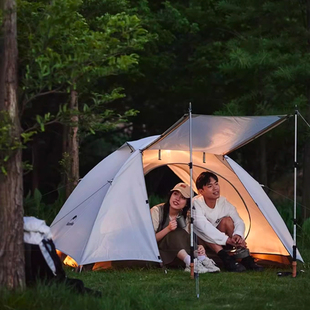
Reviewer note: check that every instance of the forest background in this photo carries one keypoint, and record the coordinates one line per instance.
(91, 75)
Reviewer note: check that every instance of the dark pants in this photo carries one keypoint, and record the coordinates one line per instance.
(172, 244)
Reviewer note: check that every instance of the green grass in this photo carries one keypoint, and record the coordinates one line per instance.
(155, 289)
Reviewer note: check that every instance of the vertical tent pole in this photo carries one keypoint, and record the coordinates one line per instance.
(191, 200)
(294, 263)
(190, 184)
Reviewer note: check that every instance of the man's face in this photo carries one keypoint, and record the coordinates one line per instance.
(210, 191)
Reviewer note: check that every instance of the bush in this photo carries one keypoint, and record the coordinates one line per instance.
(34, 206)
(306, 233)
(286, 210)
(155, 200)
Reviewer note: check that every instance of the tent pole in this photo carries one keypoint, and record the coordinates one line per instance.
(294, 263)
(190, 184)
(191, 200)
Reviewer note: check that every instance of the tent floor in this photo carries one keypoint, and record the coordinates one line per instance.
(176, 265)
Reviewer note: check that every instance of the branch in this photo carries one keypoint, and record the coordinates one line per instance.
(56, 120)
(54, 91)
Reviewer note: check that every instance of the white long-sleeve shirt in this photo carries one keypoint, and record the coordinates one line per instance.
(206, 219)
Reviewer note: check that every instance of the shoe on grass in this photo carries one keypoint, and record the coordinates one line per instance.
(198, 267)
(231, 265)
(210, 265)
(249, 263)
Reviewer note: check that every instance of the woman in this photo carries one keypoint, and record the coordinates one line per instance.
(171, 225)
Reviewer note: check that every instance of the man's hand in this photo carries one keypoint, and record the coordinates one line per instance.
(230, 241)
(239, 241)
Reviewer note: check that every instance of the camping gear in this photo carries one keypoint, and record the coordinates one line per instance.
(41, 260)
(107, 216)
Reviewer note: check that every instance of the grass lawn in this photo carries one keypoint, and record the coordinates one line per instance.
(155, 289)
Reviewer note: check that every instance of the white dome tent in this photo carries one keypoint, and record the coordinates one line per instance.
(107, 216)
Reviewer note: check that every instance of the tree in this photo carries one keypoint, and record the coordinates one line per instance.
(65, 57)
(12, 273)
(179, 65)
(266, 67)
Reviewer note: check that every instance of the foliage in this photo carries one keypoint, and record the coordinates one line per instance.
(73, 45)
(35, 206)
(9, 142)
(286, 210)
(59, 52)
(306, 233)
(155, 200)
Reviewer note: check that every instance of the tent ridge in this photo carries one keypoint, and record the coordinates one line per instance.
(182, 120)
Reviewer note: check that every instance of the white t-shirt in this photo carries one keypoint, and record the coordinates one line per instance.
(206, 219)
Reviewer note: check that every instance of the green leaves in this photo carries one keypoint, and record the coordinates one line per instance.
(9, 140)
(69, 44)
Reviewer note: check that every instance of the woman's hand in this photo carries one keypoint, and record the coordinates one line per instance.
(173, 225)
(201, 250)
(161, 234)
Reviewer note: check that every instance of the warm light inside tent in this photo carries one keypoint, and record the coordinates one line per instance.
(69, 261)
(166, 154)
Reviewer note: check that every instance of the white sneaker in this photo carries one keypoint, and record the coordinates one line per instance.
(198, 267)
(210, 265)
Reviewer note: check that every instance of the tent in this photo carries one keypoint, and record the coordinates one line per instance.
(107, 217)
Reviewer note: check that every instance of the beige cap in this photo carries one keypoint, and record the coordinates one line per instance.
(183, 188)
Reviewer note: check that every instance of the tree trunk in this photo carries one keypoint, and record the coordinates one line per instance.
(306, 155)
(12, 265)
(1, 62)
(73, 146)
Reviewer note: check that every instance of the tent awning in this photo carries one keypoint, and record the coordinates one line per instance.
(215, 134)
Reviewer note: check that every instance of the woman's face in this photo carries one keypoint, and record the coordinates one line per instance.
(177, 201)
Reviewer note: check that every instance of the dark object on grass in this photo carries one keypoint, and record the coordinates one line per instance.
(250, 264)
(42, 263)
(288, 273)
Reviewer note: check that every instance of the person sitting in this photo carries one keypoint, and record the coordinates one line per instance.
(218, 224)
(171, 227)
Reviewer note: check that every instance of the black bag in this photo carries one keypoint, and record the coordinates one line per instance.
(47, 267)
(43, 264)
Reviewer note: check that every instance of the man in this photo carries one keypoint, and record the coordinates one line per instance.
(218, 224)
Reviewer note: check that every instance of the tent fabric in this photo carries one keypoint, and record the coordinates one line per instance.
(121, 232)
(268, 211)
(107, 216)
(87, 227)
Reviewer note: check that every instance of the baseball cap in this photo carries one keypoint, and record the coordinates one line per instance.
(183, 188)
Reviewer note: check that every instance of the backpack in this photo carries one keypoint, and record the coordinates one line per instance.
(41, 260)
